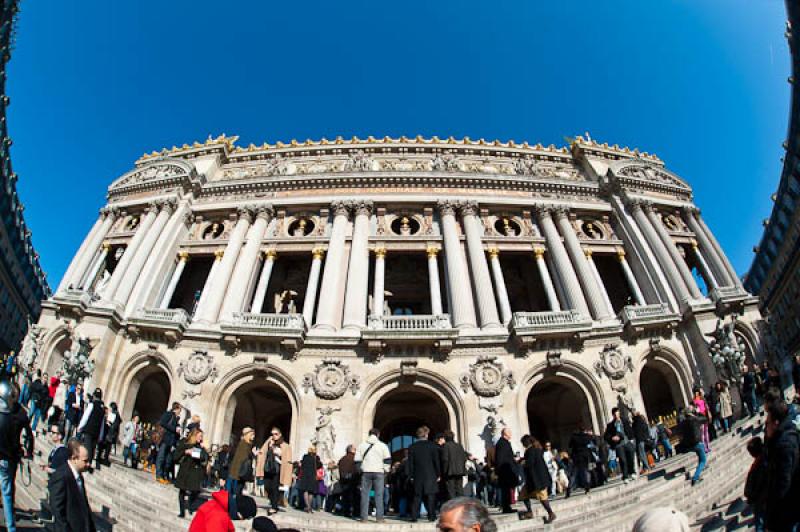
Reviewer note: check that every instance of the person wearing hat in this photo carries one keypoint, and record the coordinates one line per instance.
(13, 420)
(241, 470)
(92, 423)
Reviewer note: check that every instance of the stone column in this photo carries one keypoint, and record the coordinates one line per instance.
(263, 281)
(142, 253)
(632, 283)
(723, 271)
(311, 289)
(433, 281)
(208, 285)
(484, 293)
(709, 274)
(122, 266)
(662, 255)
(329, 311)
(500, 285)
(183, 257)
(672, 249)
(547, 281)
(378, 284)
(355, 301)
(246, 264)
(598, 280)
(461, 307)
(208, 311)
(88, 248)
(590, 286)
(101, 259)
(563, 266)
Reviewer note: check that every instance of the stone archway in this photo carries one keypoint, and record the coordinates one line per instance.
(152, 392)
(400, 412)
(56, 359)
(260, 405)
(660, 390)
(557, 408)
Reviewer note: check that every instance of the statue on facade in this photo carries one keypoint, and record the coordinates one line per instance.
(325, 438)
(285, 302)
(78, 366)
(726, 351)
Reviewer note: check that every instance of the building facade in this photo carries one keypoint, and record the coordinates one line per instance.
(23, 284)
(775, 273)
(328, 287)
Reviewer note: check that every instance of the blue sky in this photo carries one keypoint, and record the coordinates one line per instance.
(700, 83)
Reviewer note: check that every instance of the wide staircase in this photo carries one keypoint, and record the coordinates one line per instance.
(128, 500)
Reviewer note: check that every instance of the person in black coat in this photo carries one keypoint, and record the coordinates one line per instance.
(73, 410)
(783, 468)
(619, 436)
(504, 468)
(68, 500)
(191, 459)
(424, 471)
(168, 425)
(92, 423)
(581, 458)
(537, 478)
(641, 431)
(308, 483)
(454, 466)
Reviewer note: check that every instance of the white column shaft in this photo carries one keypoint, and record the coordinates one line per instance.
(563, 267)
(66, 280)
(122, 266)
(263, 283)
(500, 286)
(600, 285)
(672, 249)
(87, 252)
(311, 289)
(355, 301)
(243, 272)
(547, 281)
(140, 257)
(329, 308)
(434, 284)
(711, 249)
(632, 283)
(462, 307)
(208, 285)
(101, 259)
(709, 274)
(208, 311)
(173, 282)
(484, 293)
(378, 284)
(662, 255)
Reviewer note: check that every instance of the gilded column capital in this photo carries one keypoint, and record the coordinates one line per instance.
(433, 251)
(218, 254)
(106, 246)
(318, 253)
(493, 252)
(183, 256)
(538, 252)
(270, 254)
(587, 252)
(620, 254)
(693, 242)
(380, 252)
(469, 208)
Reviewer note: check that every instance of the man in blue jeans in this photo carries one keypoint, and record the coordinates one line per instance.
(13, 420)
(375, 459)
(169, 424)
(692, 431)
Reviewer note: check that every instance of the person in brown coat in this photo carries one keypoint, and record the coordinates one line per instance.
(274, 465)
(241, 470)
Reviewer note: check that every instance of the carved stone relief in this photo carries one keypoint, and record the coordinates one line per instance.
(487, 377)
(331, 379)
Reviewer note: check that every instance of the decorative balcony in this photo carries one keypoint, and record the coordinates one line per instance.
(729, 298)
(638, 318)
(425, 329)
(73, 300)
(172, 322)
(287, 329)
(526, 327)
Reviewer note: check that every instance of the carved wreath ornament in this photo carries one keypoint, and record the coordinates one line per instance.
(198, 367)
(487, 377)
(331, 379)
(613, 363)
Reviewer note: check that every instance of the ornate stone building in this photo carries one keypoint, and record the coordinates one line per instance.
(328, 287)
(22, 282)
(775, 273)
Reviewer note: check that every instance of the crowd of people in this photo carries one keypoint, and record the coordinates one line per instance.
(421, 481)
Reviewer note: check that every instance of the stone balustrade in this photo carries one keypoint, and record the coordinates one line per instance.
(639, 317)
(268, 321)
(172, 315)
(410, 323)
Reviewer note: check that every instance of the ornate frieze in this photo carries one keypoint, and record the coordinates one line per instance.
(331, 379)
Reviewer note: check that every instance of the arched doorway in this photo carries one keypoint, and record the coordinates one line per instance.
(56, 360)
(149, 394)
(557, 408)
(401, 411)
(660, 389)
(259, 404)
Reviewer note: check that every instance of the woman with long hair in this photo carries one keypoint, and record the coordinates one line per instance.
(308, 483)
(192, 458)
(537, 478)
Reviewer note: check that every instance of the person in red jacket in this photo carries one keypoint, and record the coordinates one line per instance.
(213, 516)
